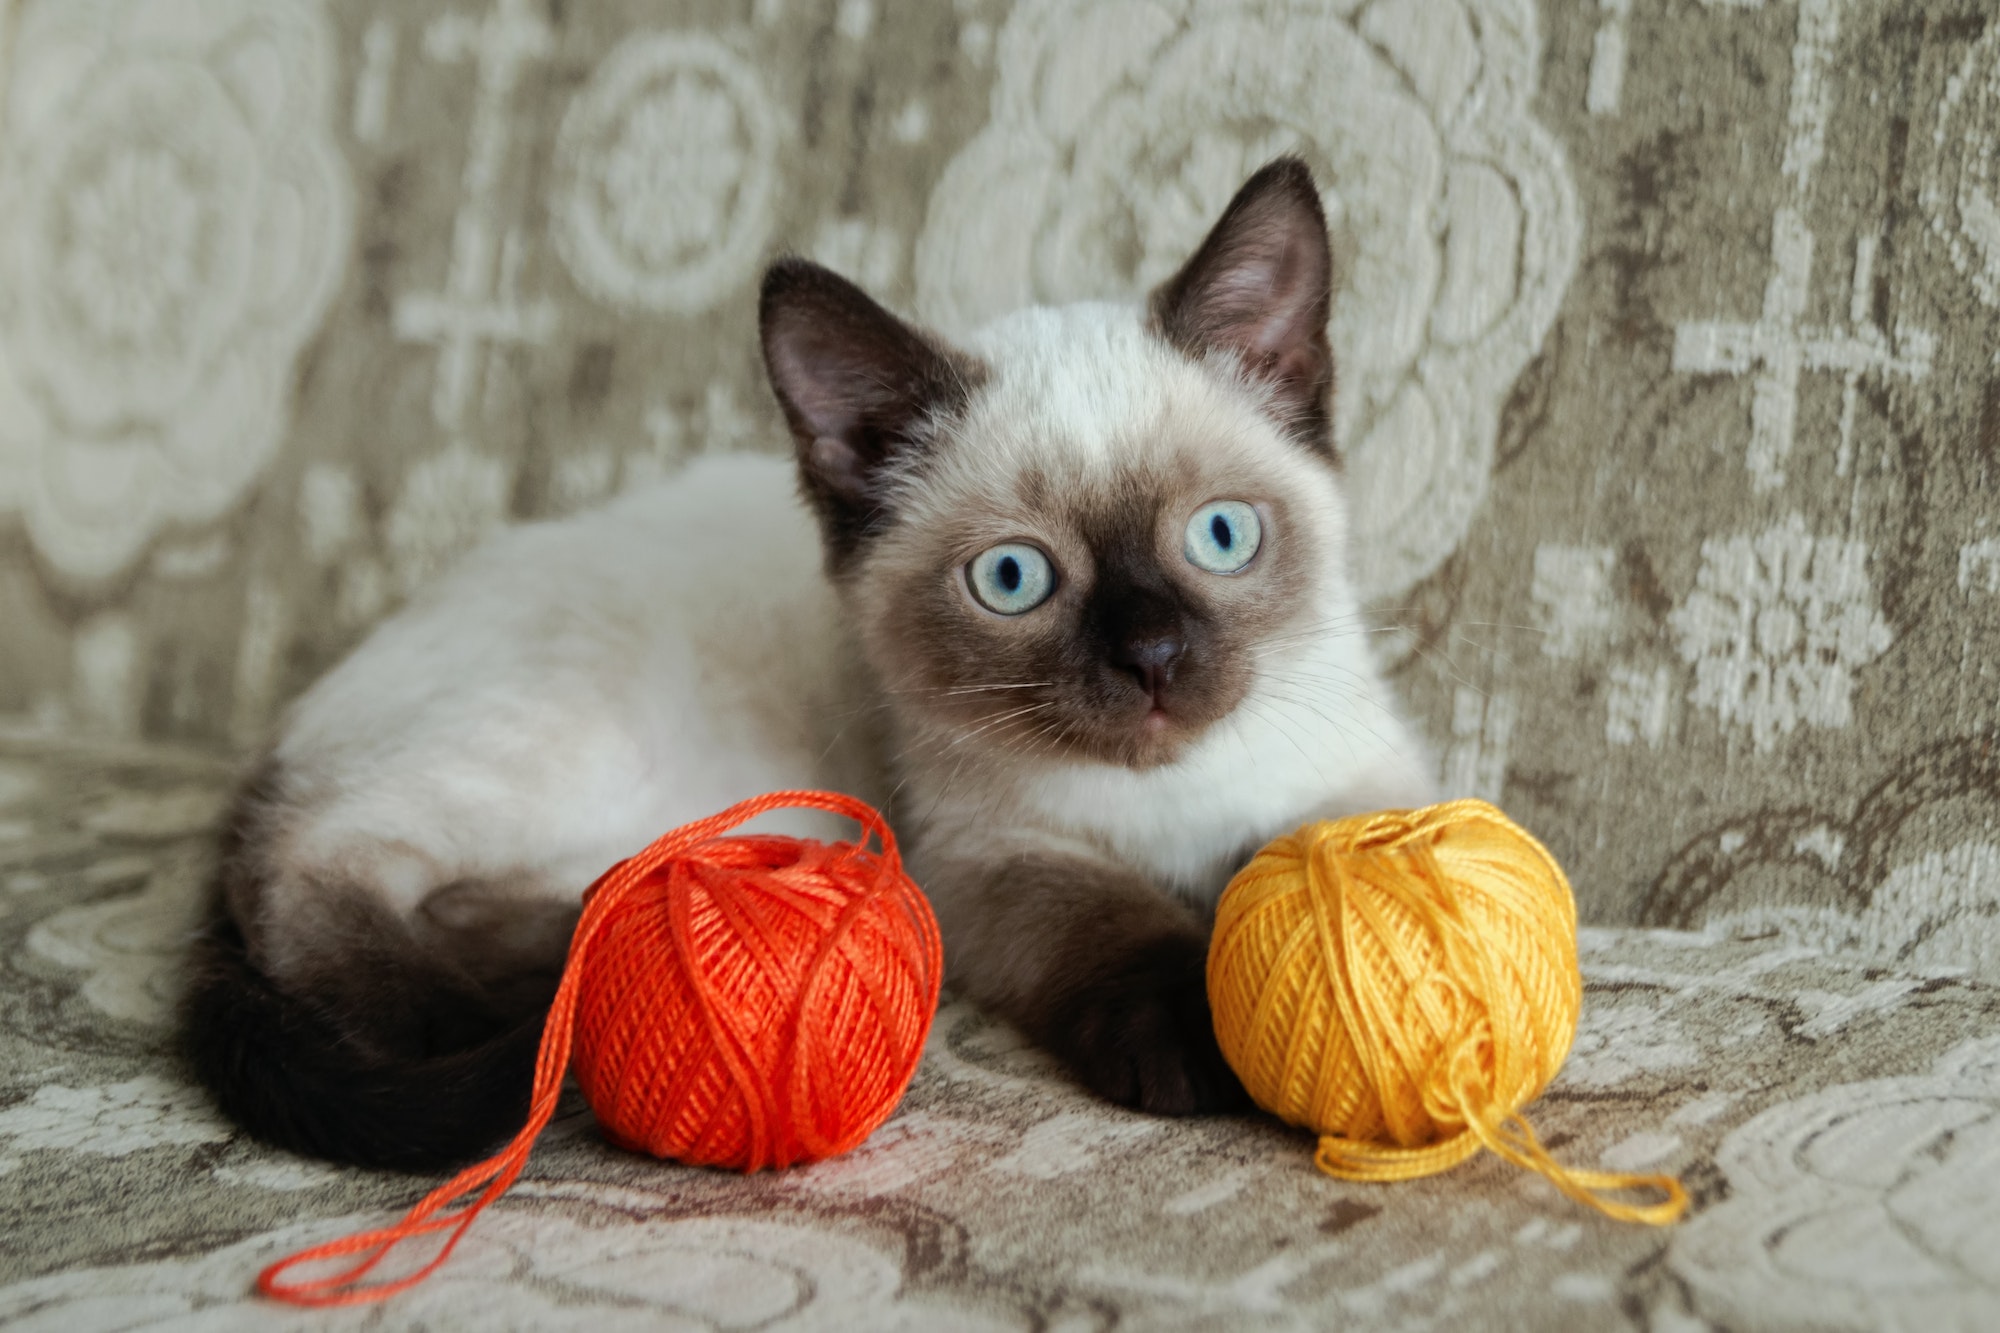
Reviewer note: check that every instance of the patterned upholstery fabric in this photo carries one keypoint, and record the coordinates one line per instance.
(1670, 399)
(1836, 1122)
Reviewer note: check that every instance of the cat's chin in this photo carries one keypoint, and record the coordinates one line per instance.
(1154, 752)
(1156, 732)
(1157, 739)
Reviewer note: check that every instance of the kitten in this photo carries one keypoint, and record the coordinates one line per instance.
(1085, 622)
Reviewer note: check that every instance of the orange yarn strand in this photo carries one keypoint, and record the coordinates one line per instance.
(1403, 983)
(749, 958)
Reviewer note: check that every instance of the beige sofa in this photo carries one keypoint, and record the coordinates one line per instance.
(1669, 389)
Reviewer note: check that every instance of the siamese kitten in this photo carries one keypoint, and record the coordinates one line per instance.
(1072, 596)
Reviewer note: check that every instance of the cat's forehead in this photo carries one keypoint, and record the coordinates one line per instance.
(1083, 375)
(1085, 408)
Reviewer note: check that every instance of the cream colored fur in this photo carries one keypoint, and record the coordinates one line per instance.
(576, 688)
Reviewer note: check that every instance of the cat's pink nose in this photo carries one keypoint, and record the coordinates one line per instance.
(1150, 661)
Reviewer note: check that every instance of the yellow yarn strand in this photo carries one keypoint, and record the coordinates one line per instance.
(1401, 984)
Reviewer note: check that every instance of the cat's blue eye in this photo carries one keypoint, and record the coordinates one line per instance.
(1222, 536)
(1011, 578)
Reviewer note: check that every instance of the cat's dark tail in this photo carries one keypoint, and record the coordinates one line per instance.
(392, 1043)
(417, 1092)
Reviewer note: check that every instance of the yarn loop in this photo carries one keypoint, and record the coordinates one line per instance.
(744, 1002)
(1401, 984)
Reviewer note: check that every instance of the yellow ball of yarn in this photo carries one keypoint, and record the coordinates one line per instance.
(1401, 984)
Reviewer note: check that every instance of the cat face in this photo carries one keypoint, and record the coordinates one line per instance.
(1096, 547)
(1077, 536)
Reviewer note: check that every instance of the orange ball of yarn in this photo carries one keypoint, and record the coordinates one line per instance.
(755, 1001)
(742, 1002)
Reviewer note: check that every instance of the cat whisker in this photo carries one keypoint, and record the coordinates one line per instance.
(997, 721)
(1506, 624)
(1435, 658)
(953, 691)
(1339, 724)
(944, 789)
(1325, 673)
(1339, 627)
(1277, 725)
(1356, 630)
(848, 715)
(1324, 623)
(1451, 671)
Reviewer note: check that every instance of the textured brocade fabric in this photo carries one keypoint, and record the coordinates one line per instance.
(1835, 1122)
(1669, 396)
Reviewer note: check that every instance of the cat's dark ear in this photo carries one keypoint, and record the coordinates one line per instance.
(859, 387)
(1261, 287)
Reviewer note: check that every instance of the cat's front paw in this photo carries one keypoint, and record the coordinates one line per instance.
(1139, 1033)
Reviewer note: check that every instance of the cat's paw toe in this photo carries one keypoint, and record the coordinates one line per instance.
(1140, 1034)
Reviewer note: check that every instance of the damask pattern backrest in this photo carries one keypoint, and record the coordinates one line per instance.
(1667, 344)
